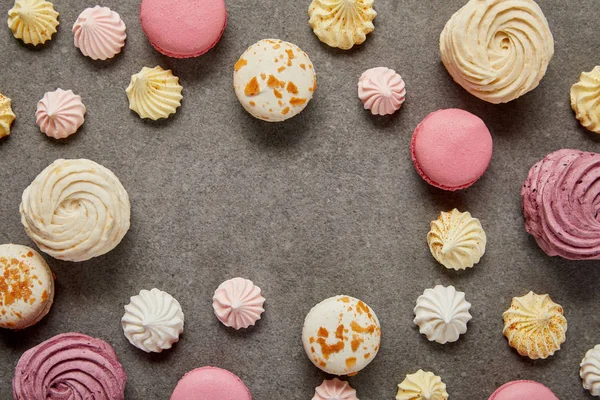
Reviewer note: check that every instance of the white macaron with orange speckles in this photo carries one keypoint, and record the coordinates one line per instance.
(274, 80)
(341, 335)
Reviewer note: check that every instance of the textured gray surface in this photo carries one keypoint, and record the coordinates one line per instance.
(324, 204)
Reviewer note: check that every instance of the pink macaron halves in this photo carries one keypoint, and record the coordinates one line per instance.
(523, 390)
(183, 28)
(210, 383)
(451, 149)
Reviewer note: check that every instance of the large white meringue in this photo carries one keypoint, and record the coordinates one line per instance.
(60, 113)
(99, 33)
(381, 90)
(535, 325)
(456, 240)
(153, 321)
(334, 389)
(238, 303)
(75, 210)
(342, 23)
(497, 50)
(442, 314)
(590, 371)
(422, 386)
(33, 21)
(154, 93)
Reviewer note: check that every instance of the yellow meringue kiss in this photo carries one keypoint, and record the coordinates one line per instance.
(33, 21)
(342, 23)
(535, 326)
(585, 99)
(154, 93)
(422, 386)
(6, 115)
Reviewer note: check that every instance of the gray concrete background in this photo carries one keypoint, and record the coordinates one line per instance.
(324, 204)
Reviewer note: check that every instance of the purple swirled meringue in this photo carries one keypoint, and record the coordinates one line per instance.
(99, 33)
(238, 303)
(381, 90)
(70, 366)
(561, 204)
(334, 389)
(60, 113)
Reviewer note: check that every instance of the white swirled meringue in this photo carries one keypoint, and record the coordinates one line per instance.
(33, 21)
(6, 115)
(153, 321)
(99, 33)
(75, 210)
(60, 113)
(334, 389)
(442, 314)
(381, 90)
(497, 50)
(342, 23)
(585, 99)
(154, 93)
(422, 386)
(456, 240)
(535, 325)
(238, 303)
(590, 371)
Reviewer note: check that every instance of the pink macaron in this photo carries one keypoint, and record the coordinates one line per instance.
(210, 383)
(183, 28)
(523, 390)
(451, 149)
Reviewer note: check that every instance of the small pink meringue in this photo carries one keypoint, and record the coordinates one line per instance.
(334, 389)
(60, 113)
(99, 33)
(381, 90)
(238, 303)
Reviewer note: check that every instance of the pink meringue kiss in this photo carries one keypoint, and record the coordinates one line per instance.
(238, 303)
(69, 366)
(381, 90)
(99, 33)
(60, 113)
(561, 204)
(334, 389)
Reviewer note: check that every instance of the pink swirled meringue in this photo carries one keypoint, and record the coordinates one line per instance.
(99, 33)
(60, 113)
(238, 303)
(334, 389)
(561, 204)
(381, 90)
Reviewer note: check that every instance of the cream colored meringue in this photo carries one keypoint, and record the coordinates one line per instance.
(381, 90)
(274, 80)
(26, 287)
(334, 389)
(341, 335)
(238, 303)
(75, 210)
(60, 113)
(585, 99)
(456, 240)
(154, 93)
(33, 21)
(590, 371)
(422, 386)
(497, 50)
(535, 325)
(153, 321)
(442, 314)
(99, 33)
(6, 115)
(342, 23)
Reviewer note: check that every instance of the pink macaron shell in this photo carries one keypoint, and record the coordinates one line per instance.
(523, 390)
(183, 28)
(210, 383)
(451, 149)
